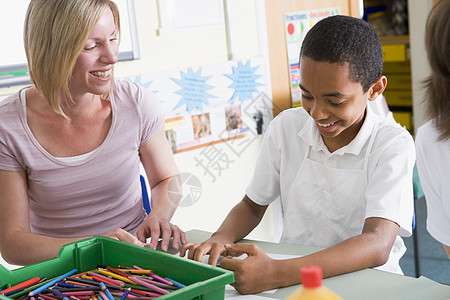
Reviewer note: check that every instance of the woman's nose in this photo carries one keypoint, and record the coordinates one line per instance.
(110, 53)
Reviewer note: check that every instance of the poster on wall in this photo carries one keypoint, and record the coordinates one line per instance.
(212, 103)
(297, 24)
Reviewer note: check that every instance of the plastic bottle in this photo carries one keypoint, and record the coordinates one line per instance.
(312, 288)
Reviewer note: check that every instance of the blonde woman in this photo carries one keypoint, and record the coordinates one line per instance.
(71, 143)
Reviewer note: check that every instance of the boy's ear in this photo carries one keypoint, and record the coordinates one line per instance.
(377, 88)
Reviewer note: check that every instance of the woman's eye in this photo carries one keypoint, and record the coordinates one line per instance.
(88, 48)
(306, 97)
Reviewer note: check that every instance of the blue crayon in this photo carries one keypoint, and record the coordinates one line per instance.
(107, 293)
(51, 282)
(176, 283)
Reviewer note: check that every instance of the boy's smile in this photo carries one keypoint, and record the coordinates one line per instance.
(336, 103)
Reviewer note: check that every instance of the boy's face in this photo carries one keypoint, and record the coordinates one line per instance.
(336, 104)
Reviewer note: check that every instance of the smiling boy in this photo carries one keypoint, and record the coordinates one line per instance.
(342, 173)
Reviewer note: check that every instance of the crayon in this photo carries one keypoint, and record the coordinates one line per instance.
(46, 297)
(20, 293)
(125, 294)
(133, 271)
(104, 279)
(176, 283)
(21, 285)
(51, 282)
(106, 291)
(59, 294)
(81, 289)
(111, 269)
(160, 279)
(114, 275)
(149, 285)
(92, 282)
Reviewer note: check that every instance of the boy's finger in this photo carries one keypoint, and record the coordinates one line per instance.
(239, 249)
(229, 263)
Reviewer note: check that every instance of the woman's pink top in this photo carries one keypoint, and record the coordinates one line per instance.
(92, 196)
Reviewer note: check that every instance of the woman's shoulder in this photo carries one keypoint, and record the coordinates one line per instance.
(427, 132)
(126, 91)
(125, 88)
(9, 107)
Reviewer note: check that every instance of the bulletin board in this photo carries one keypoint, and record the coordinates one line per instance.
(212, 103)
(297, 26)
(13, 62)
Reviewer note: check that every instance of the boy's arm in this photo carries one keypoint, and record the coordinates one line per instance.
(258, 272)
(240, 221)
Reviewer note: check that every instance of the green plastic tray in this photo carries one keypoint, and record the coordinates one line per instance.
(202, 281)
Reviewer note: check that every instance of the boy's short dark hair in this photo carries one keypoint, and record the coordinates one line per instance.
(343, 39)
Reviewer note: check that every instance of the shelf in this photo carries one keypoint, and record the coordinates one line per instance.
(395, 39)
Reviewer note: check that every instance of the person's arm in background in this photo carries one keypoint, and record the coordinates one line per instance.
(18, 245)
(166, 191)
(240, 221)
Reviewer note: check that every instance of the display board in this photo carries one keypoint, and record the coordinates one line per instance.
(214, 103)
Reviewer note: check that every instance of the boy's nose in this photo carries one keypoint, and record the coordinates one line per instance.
(318, 111)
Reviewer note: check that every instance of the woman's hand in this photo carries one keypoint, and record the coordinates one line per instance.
(123, 235)
(155, 228)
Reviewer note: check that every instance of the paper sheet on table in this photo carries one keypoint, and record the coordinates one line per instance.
(231, 293)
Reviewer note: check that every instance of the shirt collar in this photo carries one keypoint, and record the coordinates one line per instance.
(310, 134)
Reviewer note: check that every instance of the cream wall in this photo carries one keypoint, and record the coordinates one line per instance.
(418, 11)
(180, 50)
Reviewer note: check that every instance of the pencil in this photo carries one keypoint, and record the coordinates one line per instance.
(160, 279)
(149, 285)
(176, 283)
(125, 294)
(21, 285)
(106, 291)
(51, 282)
(104, 279)
(59, 294)
(116, 276)
(92, 282)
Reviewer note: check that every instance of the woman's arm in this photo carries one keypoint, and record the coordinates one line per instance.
(18, 245)
(166, 191)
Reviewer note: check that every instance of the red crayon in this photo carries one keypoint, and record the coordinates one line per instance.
(21, 285)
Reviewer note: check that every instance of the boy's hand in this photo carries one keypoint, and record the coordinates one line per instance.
(214, 246)
(254, 274)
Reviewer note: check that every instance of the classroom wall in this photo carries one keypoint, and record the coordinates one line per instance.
(180, 50)
(417, 16)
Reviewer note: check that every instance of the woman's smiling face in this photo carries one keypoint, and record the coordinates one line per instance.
(93, 68)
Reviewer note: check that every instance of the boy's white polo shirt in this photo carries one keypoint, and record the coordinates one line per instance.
(388, 193)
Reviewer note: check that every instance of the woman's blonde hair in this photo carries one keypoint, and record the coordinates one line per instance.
(55, 32)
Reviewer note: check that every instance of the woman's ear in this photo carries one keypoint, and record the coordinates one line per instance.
(377, 88)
